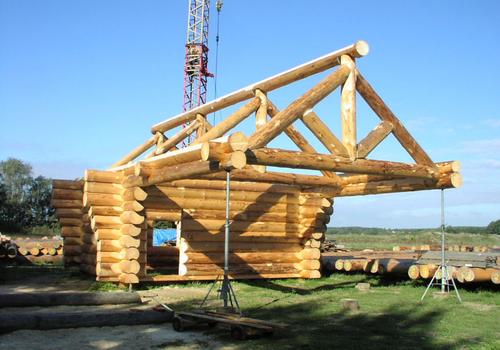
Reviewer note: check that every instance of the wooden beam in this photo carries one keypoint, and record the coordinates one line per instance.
(230, 122)
(385, 114)
(348, 107)
(297, 108)
(261, 119)
(374, 138)
(178, 137)
(299, 160)
(305, 70)
(323, 133)
(297, 138)
(136, 152)
(202, 125)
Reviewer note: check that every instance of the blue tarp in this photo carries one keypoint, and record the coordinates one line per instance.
(162, 235)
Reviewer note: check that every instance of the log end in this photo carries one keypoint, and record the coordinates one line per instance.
(361, 48)
(238, 141)
(456, 180)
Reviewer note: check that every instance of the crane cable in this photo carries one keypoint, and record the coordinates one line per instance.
(218, 6)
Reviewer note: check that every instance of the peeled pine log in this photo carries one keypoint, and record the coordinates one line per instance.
(316, 161)
(101, 199)
(308, 265)
(168, 215)
(261, 216)
(72, 250)
(348, 107)
(495, 276)
(297, 108)
(414, 272)
(354, 264)
(128, 278)
(213, 269)
(68, 298)
(101, 221)
(339, 264)
(67, 184)
(66, 194)
(385, 114)
(103, 176)
(394, 266)
(131, 217)
(72, 231)
(312, 243)
(71, 222)
(176, 138)
(235, 186)
(248, 226)
(75, 213)
(40, 259)
(134, 194)
(475, 274)
(252, 246)
(113, 257)
(373, 139)
(130, 230)
(118, 245)
(239, 258)
(310, 274)
(427, 271)
(187, 154)
(175, 172)
(323, 133)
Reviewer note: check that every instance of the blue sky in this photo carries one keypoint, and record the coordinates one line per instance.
(81, 82)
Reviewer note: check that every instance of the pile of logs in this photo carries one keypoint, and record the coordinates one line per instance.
(375, 262)
(450, 248)
(8, 250)
(465, 267)
(31, 251)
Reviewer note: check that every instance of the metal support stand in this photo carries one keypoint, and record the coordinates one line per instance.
(226, 292)
(443, 269)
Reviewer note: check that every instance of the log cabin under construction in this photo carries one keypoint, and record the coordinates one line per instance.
(278, 218)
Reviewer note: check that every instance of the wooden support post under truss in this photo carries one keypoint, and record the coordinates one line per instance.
(374, 138)
(297, 138)
(261, 119)
(324, 134)
(297, 108)
(300, 160)
(348, 107)
(358, 49)
(385, 114)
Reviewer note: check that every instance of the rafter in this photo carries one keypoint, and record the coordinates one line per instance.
(374, 138)
(324, 134)
(385, 114)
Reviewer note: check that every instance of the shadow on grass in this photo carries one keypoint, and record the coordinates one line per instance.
(404, 327)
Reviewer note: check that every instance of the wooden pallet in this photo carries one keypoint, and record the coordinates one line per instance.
(241, 327)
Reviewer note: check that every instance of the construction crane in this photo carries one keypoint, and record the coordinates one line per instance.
(196, 71)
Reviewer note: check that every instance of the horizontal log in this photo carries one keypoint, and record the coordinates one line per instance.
(71, 222)
(105, 210)
(101, 199)
(66, 203)
(414, 272)
(67, 184)
(310, 274)
(214, 269)
(101, 221)
(293, 159)
(239, 258)
(131, 217)
(427, 271)
(130, 230)
(308, 265)
(113, 257)
(185, 155)
(128, 278)
(103, 176)
(263, 216)
(69, 212)
(68, 298)
(103, 187)
(259, 237)
(66, 194)
(250, 246)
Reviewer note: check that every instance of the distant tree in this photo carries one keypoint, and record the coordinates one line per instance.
(24, 200)
(494, 227)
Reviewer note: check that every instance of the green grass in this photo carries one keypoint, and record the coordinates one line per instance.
(387, 241)
(391, 315)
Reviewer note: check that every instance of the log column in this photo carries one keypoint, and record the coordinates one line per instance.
(348, 107)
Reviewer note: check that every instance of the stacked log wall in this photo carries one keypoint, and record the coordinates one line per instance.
(67, 199)
(276, 230)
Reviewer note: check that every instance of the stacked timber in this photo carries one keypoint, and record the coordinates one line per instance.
(275, 230)
(39, 251)
(8, 249)
(113, 247)
(67, 196)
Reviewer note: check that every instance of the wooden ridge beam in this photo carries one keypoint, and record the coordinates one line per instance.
(358, 49)
(384, 113)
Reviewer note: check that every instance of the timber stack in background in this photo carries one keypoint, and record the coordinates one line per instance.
(420, 263)
(29, 251)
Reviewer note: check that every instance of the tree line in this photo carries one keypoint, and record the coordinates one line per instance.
(25, 200)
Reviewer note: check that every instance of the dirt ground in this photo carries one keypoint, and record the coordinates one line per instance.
(159, 336)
